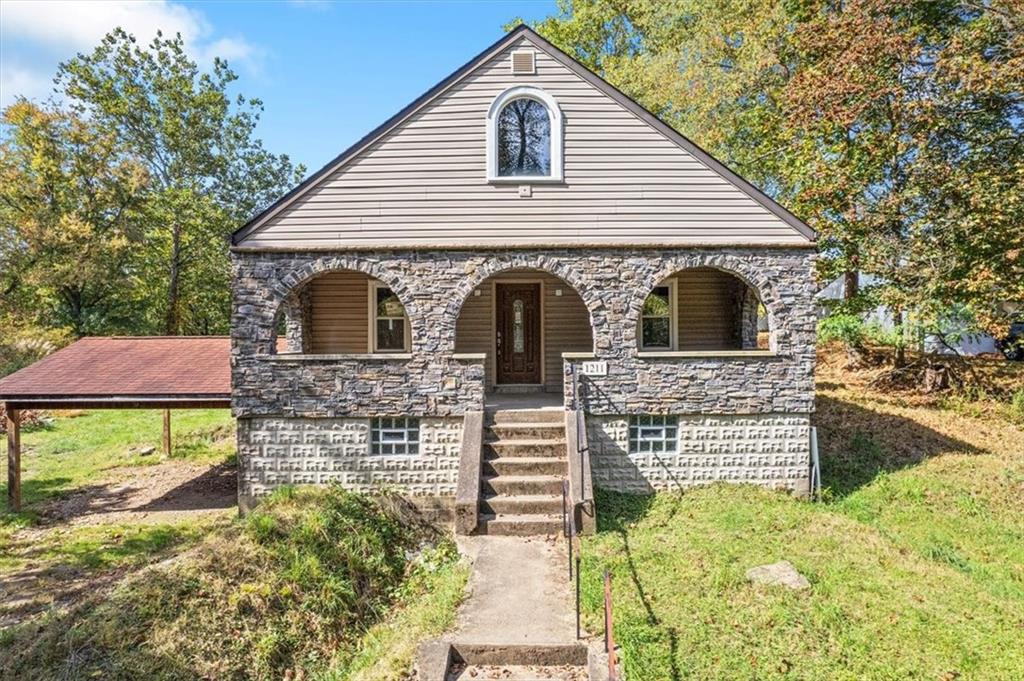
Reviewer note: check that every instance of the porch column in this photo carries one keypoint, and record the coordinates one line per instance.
(13, 459)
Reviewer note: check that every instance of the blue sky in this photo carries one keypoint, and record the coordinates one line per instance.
(328, 72)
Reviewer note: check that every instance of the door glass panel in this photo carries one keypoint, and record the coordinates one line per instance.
(518, 342)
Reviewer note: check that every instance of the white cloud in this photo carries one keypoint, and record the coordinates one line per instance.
(235, 50)
(26, 82)
(81, 25)
(53, 31)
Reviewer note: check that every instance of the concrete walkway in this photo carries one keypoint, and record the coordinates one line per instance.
(520, 593)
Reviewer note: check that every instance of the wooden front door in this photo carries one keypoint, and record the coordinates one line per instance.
(517, 326)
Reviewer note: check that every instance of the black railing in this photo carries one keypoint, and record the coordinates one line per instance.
(572, 539)
(581, 424)
(582, 443)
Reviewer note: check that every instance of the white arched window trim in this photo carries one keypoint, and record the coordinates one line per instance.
(554, 113)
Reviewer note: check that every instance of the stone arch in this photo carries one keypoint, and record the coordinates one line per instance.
(478, 273)
(752, 276)
(285, 289)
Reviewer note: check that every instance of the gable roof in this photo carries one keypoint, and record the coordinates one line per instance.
(573, 65)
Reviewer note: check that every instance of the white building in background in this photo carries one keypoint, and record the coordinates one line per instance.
(959, 335)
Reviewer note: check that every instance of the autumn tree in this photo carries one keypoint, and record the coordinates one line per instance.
(894, 129)
(905, 137)
(207, 171)
(70, 215)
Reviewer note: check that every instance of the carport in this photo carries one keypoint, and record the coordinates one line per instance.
(165, 372)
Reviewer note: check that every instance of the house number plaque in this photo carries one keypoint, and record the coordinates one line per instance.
(594, 368)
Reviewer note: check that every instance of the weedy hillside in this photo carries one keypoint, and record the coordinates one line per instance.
(315, 583)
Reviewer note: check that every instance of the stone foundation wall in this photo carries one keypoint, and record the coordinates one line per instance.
(771, 450)
(276, 451)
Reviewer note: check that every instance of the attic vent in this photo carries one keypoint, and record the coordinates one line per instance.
(523, 62)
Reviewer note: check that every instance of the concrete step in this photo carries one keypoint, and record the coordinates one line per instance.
(460, 672)
(520, 525)
(513, 485)
(527, 431)
(503, 416)
(544, 504)
(500, 448)
(525, 465)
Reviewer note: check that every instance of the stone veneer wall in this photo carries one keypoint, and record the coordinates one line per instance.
(274, 451)
(304, 419)
(772, 450)
(432, 284)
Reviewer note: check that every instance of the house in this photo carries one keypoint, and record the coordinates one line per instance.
(522, 277)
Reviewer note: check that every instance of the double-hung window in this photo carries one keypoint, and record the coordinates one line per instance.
(658, 318)
(389, 326)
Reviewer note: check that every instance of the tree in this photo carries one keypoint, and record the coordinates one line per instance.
(70, 201)
(208, 172)
(910, 117)
(894, 129)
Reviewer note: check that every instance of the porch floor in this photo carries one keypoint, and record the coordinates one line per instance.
(522, 401)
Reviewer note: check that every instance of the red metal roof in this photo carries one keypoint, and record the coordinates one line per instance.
(128, 369)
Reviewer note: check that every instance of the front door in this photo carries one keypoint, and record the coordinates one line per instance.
(518, 333)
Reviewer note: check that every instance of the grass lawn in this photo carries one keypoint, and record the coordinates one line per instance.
(77, 448)
(85, 462)
(916, 557)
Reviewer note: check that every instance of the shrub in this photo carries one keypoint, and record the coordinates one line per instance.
(1016, 409)
(843, 327)
(21, 346)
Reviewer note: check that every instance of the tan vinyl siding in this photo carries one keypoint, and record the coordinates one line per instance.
(424, 183)
(566, 324)
(708, 311)
(339, 302)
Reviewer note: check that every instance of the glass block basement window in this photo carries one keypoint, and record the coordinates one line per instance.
(649, 433)
(395, 436)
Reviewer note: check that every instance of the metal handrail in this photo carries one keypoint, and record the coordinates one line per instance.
(581, 425)
(609, 626)
(572, 539)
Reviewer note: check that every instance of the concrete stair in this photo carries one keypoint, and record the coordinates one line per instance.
(557, 662)
(523, 468)
(520, 672)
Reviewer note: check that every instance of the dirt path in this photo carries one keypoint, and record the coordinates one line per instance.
(162, 493)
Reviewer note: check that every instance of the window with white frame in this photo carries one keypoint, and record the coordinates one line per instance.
(653, 433)
(394, 435)
(658, 318)
(389, 325)
(524, 137)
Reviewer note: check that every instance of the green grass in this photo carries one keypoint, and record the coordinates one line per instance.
(321, 581)
(79, 448)
(99, 547)
(917, 573)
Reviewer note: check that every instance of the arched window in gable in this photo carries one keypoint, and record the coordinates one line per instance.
(524, 136)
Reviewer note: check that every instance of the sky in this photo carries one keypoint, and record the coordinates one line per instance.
(327, 72)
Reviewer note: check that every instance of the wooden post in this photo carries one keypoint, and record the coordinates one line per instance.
(167, 432)
(13, 459)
